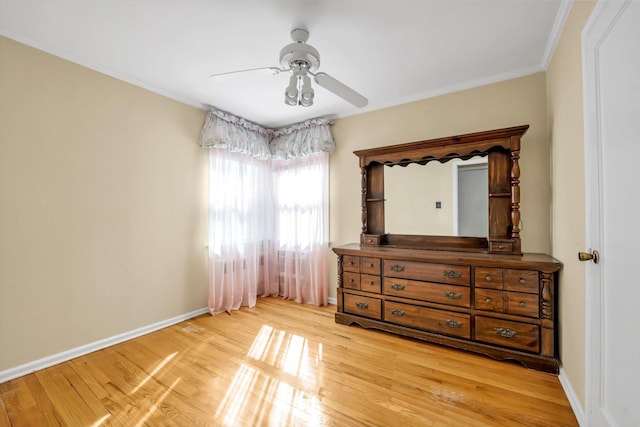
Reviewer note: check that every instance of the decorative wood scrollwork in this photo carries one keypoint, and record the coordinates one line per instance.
(546, 296)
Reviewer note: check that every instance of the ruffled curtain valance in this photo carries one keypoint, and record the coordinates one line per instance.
(224, 130)
(301, 139)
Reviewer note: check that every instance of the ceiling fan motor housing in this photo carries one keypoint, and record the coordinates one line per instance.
(300, 53)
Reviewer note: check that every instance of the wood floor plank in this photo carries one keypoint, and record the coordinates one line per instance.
(82, 368)
(282, 364)
(4, 416)
(70, 405)
(85, 393)
(43, 413)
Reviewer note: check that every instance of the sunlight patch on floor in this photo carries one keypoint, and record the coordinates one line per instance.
(99, 422)
(292, 353)
(277, 383)
(234, 401)
(156, 405)
(155, 371)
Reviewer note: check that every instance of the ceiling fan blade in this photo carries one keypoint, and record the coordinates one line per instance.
(340, 89)
(274, 70)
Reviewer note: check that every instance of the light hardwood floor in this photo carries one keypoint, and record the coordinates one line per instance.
(282, 364)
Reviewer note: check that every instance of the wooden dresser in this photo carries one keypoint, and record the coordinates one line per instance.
(499, 305)
(474, 293)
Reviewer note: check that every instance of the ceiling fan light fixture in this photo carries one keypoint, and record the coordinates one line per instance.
(291, 92)
(289, 101)
(306, 94)
(306, 102)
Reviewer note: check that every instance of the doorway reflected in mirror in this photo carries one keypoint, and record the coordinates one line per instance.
(471, 203)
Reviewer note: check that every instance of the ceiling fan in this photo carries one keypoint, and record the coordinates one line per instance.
(302, 60)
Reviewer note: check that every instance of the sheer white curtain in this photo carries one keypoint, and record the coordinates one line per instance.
(301, 192)
(242, 250)
(260, 209)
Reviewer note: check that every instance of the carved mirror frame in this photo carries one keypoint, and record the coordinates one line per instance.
(501, 146)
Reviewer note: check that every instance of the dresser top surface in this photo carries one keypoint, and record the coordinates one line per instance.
(536, 261)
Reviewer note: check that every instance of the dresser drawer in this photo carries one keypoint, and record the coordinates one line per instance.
(506, 247)
(370, 283)
(428, 319)
(517, 303)
(489, 299)
(351, 263)
(426, 291)
(363, 306)
(370, 239)
(351, 280)
(505, 333)
(522, 304)
(521, 281)
(370, 266)
(441, 273)
(488, 278)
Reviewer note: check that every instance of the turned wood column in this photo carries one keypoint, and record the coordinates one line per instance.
(547, 336)
(363, 184)
(515, 188)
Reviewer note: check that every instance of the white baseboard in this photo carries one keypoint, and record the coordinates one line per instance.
(45, 362)
(578, 410)
(332, 300)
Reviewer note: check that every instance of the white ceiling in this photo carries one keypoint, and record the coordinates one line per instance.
(392, 52)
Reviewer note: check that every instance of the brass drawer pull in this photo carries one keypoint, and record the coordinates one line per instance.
(397, 287)
(522, 281)
(452, 323)
(397, 313)
(522, 304)
(362, 305)
(500, 246)
(505, 333)
(397, 268)
(452, 295)
(488, 300)
(452, 274)
(488, 278)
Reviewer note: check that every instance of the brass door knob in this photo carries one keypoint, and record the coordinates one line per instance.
(586, 256)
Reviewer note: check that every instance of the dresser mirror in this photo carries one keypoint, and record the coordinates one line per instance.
(398, 208)
(453, 198)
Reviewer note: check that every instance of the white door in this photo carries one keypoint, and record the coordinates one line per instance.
(611, 52)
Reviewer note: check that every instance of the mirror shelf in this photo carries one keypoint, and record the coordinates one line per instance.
(502, 150)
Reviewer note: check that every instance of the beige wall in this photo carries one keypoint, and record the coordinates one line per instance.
(102, 201)
(564, 94)
(510, 103)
